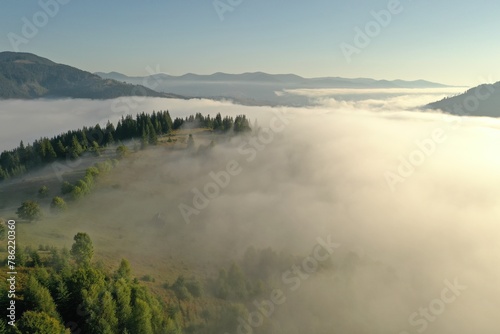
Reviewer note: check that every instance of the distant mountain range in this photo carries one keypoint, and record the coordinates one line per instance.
(256, 88)
(27, 76)
(483, 100)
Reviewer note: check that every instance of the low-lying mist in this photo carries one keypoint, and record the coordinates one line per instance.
(410, 197)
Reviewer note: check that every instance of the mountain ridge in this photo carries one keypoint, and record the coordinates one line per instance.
(287, 78)
(257, 88)
(28, 76)
(482, 100)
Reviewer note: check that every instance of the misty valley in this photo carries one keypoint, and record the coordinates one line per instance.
(341, 206)
(279, 222)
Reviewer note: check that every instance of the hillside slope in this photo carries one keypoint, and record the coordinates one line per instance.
(483, 100)
(27, 76)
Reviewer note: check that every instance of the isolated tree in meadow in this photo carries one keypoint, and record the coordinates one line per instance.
(43, 191)
(29, 210)
(58, 204)
(124, 270)
(82, 250)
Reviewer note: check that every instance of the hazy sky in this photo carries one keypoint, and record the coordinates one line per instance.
(451, 42)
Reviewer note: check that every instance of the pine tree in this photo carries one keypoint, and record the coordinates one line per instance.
(109, 140)
(144, 139)
(76, 149)
(60, 149)
(38, 298)
(123, 298)
(141, 318)
(51, 154)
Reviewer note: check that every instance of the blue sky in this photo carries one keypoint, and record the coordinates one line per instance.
(454, 42)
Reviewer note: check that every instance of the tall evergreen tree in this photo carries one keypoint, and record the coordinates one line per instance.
(38, 298)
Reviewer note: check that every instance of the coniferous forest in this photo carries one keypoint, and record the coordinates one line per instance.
(72, 144)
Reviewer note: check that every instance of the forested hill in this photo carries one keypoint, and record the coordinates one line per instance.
(483, 100)
(28, 76)
(91, 139)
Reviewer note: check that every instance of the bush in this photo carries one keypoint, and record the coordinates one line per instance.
(194, 288)
(83, 186)
(89, 181)
(92, 171)
(76, 193)
(122, 151)
(43, 192)
(58, 204)
(66, 188)
(104, 167)
(148, 278)
(29, 210)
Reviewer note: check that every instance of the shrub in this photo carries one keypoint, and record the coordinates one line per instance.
(76, 193)
(43, 191)
(92, 171)
(66, 188)
(58, 204)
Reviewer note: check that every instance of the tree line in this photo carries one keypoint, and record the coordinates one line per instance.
(72, 144)
(64, 292)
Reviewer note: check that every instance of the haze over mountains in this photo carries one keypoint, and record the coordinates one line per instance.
(28, 76)
(257, 88)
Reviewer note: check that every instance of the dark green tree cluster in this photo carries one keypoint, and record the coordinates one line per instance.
(67, 293)
(72, 144)
(238, 124)
(241, 124)
(144, 126)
